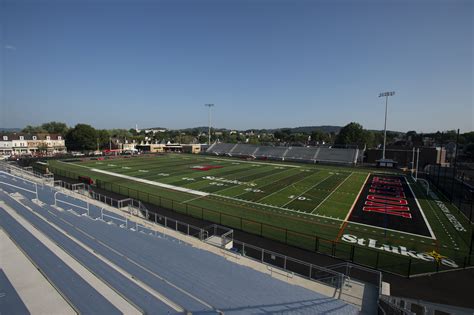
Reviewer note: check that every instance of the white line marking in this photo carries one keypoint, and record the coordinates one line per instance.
(150, 182)
(281, 188)
(335, 189)
(357, 198)
(383, 229)
(252, 162)
(304, 192)
(421, 210)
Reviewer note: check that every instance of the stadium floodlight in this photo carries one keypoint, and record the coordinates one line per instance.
(209, 105)
(386, 95)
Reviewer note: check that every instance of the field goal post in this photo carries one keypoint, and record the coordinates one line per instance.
(425, 183)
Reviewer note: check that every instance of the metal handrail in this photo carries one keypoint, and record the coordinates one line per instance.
(202, 232)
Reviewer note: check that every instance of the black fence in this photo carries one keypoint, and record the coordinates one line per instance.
(378, 259)
(456, 184)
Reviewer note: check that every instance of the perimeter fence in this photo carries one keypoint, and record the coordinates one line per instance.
(456, 183)
(385, 257)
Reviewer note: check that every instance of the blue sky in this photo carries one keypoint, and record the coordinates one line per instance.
(264, 64)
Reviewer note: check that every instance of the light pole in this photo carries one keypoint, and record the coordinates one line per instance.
(209, 105)
(386, 94)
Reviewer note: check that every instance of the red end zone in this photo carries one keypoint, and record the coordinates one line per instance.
(387, 201)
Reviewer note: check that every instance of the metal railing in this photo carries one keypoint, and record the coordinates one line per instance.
(322, 243)
(389, 307)
(290, 265)
(136, 208)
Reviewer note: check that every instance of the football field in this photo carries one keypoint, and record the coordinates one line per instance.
(310, 206)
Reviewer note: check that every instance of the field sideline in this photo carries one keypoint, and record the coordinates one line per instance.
(319, 192)
(300, 198)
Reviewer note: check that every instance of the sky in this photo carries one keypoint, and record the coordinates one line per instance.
(264, 64)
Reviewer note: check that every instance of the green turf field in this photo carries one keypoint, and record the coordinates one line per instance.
(301, 204)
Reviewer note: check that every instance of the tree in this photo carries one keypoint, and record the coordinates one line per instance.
(352, 133)
(33, 129)
(320, 136)
(81, 138)
(103, 136)
(55, 127)
(283, 135)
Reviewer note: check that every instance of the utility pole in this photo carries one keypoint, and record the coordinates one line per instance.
(209, 131)
(386, 95)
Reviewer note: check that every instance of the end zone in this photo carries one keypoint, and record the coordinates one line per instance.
(388, 202)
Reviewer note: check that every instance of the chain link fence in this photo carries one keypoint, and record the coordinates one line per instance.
(456, 183)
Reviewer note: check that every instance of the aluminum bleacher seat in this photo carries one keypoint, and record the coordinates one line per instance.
(220, 148)
(185, 273)
(300, 153)
(336, 155)
(271, 152)
(245, 150)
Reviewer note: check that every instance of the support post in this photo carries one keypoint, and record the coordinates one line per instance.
(472, 241)
(417, 162)
(55, 202)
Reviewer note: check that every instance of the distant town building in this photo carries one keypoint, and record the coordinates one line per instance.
(31, 144)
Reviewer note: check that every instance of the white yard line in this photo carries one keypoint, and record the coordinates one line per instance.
(421, 210)
(282, 189)
(304, 192)
(274, 207)
(442, 224)
(334, 190)
(219, 191)
(252, 162)
(357, 198)
(150, 182)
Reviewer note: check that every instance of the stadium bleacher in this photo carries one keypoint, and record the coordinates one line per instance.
(271, 152)
(220, 148)
(11, 302)
(80, 293)
(301, 153)
(124, 285)
(244, 150)
(295, 154)
(336, 155)
(196, 280)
